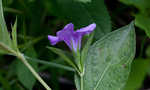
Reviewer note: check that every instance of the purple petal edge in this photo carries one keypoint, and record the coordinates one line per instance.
(69, 26)
(87, 30)
(53, 39)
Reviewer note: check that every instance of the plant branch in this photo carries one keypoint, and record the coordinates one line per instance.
(22, 58)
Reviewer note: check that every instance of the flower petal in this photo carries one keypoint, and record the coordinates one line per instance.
(66, 34)
(70, 37)
(76, 41)
(87, 30)
(69, 27)
(53, 39)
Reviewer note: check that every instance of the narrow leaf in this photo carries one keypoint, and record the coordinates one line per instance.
(61, 54)
(4, 35)
(14, 36)
(86, 48)
(50, 64)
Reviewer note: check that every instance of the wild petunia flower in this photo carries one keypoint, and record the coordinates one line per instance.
(70, 37)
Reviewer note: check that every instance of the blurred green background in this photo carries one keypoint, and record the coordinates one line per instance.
(38, 18)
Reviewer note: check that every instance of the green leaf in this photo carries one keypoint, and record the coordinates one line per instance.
(5, 49)
(109, 60)
(14, 36)
(140, 4)
(86, 48)
(4, 82)
(139, 70)
(77, 81)
(82, 14)
(25, 76)
(4, 35)
(62, 55)
(50, 64)
(23, 73)
(142, 18)
(7, 45)
(143, 21)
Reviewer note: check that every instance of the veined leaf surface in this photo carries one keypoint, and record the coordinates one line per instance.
(108, 62)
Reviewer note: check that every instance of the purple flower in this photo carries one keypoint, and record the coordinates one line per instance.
(70, 37)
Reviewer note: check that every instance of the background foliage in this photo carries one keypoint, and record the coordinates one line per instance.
(38, 18)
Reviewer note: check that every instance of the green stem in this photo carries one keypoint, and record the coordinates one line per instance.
(81, 82)
(51, 64)
(22, 58)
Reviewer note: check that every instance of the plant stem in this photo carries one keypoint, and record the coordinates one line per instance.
(81, 82)
(51, 64)
(22, 58)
